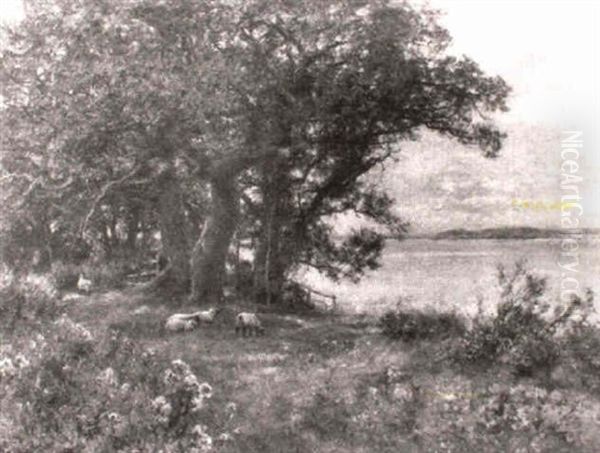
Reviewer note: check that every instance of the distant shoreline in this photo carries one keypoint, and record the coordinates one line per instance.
(503, 233)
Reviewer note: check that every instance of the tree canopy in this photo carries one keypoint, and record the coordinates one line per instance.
(271, 112)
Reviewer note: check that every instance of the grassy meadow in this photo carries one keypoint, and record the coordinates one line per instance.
(99, 373)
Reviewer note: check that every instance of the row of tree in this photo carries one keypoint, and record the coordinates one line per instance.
(211, 120)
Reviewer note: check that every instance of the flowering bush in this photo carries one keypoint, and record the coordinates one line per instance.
(521, 418)
(72, 388)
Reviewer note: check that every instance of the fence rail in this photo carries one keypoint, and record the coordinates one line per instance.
(310, 293)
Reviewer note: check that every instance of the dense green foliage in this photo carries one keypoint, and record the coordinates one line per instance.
(128, 118)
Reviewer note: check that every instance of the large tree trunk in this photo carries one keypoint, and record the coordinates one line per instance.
(174, 235)
(269, 263)
(210, 251)
(273, 254)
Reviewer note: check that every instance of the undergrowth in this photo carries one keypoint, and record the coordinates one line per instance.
(68, 386)
(523, 333)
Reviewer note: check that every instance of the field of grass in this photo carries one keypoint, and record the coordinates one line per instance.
(312, 383)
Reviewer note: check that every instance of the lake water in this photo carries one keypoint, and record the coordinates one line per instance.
(452, 274)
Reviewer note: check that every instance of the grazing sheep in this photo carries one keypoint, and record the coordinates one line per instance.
(207, 316)
(181, 322)
(84, 285)
(248, 323)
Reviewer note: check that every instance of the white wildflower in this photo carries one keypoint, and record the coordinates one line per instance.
(148, 353)
(225, 437)
(21, 361)
(231, 409)
(197, 403)
(114, 417)
(126, 387)
(108, 377)
(401, 392)
(199, 430)
(159, 401)
(180, 367)
(7, 368)
(202, 440)
(162, 420)
(162, 406)
(170, 378)
(191, 382)
(205, 390)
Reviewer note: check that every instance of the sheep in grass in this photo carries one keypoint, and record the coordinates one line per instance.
(248, 324)
(180, 322)
(84, 285)
(207, 316)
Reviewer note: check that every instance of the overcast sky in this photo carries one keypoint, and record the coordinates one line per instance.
(549, 52)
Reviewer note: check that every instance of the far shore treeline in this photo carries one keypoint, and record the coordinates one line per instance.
(500, 233)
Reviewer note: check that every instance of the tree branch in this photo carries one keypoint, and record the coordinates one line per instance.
(103, 193)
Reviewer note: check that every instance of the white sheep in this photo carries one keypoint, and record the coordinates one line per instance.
(183, 322)
(84, 285)
(248, 323)
(207, 316)
(180, 322)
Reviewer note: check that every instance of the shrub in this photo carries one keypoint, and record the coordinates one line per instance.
(521, 332)
(533, 352)
(581, 347)
(584, 345)
(414, 325)
(104, 275)
(26, 300)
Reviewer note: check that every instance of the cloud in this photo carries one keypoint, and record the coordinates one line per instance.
(439, 183)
